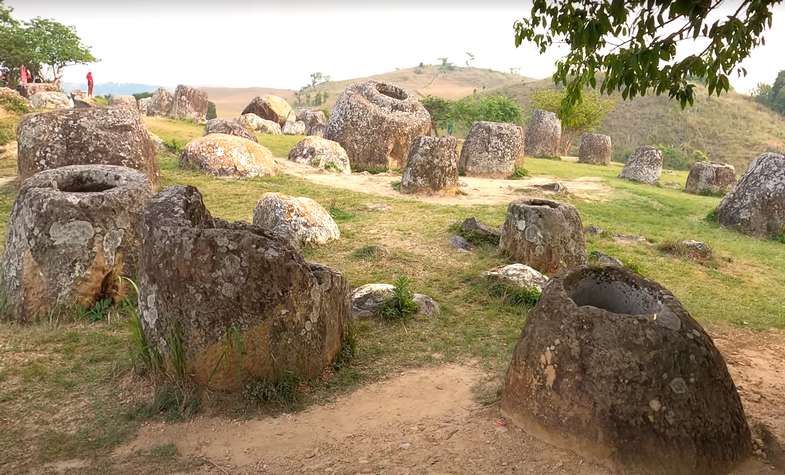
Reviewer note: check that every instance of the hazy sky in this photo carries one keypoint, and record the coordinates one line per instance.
(278, 44)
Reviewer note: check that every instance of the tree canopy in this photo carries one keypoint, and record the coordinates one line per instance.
(584, 116)
(646, 46)
(466, 111)
(772, 95)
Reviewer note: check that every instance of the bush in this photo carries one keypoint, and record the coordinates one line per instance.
(401, 306)
(142, 95)
(14, 104)
(519, 173)
(211, 113)
(680, 158)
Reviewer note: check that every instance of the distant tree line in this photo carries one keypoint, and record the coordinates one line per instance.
(464, 112)
(308, 96)
(585, 116)
(772, 95)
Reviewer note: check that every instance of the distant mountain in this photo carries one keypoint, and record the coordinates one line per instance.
(111, 88)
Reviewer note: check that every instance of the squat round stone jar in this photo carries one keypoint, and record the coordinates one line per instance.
(73, 232)
(611, 366)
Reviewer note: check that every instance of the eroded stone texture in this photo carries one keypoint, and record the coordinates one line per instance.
(756, 205)
(160, 103)
(315, 121)
(376, 123)
(123, 101)
(189, 103)
(543, 134)
(298, 220)
(254, 122)
(244, 304)
(546, 235)
(293, 127)
(228, 155)
(479, 232)
(51, 100)
(595, 149)
(144, 105)
(272, 108)
(32, 88)
(367, 301)
(228, 127)
(610, 365)
(432, 166)
(709, 178)
(517, 275)
(73, 232)
(644, 165)
(491, 149)
(321, 153)
(99, 135)
(81, 100)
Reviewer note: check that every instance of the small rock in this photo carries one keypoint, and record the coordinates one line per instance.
(476, 232)
(460, 243)
(600, 258)
(517, 275)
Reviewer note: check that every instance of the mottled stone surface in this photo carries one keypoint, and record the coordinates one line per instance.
(432, 166)
(144, 105)
(51, 100)
(321, 153)
(160, 103)
(270, 107)
(293, 127)
(491, 149)
(81, 100)
(252, 121)
(315, 121)
(376, 123)
(298, 220)
(756, 205)
(228, 155)
(610, 365)
(228, 127)
(546, 235)
(73, 232)
(367, 301)
(543, 134)
(709, 178)
(189, 103)
(595, 149)
(30, 89)
(517, 275)
(123, 101)
(644, 165)
(100, 135)
(244, 304)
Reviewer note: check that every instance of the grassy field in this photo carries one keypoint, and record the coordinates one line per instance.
(68, 389)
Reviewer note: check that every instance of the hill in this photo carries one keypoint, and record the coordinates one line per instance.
(423, 80)
(731, 128)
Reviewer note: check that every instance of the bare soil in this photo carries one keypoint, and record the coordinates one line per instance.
(429, 420)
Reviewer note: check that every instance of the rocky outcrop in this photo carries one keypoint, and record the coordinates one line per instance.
(517, 276)
(709, 178)
(51, 100)
(432, 166)
(321, 153)
(241, 304)
(595, 149)
(491, 150)
(376, 123)
(81, 100)
(315, 121)
(72, 233)
(612, 366)
(228, 155)
(160, 103)
(479, 233)
(272, 108)
(544, 234)
(32, 88)
(123, 101)
(543, 134)
(228, 127)
(298, 220)
(14, 97)
(144, 105)
(756, 205)
(101, 135)
(253, 122)
(644, 165)
(367, 301)
(189, 103)
(293, 127)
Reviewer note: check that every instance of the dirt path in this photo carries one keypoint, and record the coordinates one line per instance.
(477, 191)
(428, 421)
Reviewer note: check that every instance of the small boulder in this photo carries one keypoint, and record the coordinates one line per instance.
(709, 178)
(315, 121)
(160, 103)
(517, 276)
(189, 103)
(294, 127)
(595, 149)
(543, 135)
(270, 107)
(546, 235)
(367, 301)
(376, 123)
(32, 88)
(81, 100)
(298, 220)
(644, 165)
(228, 127)
(123, 101)
(477, 232)
(253, 122)
(228, 155)
(432, 166)
(491, 149)
(460, 243)
(51, 100)
(601, 259)
(321, 153)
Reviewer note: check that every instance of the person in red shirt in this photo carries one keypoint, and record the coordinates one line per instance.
(23, 75)
(89, 84)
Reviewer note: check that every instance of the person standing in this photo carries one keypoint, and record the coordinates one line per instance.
(89, 84)
(22, 75)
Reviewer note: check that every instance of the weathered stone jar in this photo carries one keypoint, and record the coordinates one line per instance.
(546, 235)
(610, 365)
(644, 166)
(491, 149)
(543, 134)
(595, 149)
(73, 232)
(242, 303)
(432, 166)
(709, 178)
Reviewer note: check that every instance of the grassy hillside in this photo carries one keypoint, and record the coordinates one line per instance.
(732, 128)
(426, 80)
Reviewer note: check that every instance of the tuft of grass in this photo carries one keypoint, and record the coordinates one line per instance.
(98, 312)
(396, 185)
(164, 451)
(174, 146)
(711, 217)
(340, 215)
(348, 348)
(519, 173)
(514, 295)
(401, 306)
(371, 252)
(282, 391)
(682, 250)
(170, 402)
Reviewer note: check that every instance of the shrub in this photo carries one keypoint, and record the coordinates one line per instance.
(14, 104)
(519, 173)
(401, 306)
(211, 112)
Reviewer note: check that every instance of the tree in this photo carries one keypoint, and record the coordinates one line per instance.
(445, 65)
(584, 116)
(471, 109)
(772, 96)
(638, 46)
(469, 59)
(439, 109)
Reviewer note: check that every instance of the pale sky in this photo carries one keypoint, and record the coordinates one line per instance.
(278, 44)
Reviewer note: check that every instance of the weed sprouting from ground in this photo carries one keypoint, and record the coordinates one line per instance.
(174, 146)
(371, 252)
(348, 348)
(396, 185)
(711, 217)
(176, 354)
(519, 173)
(281, 390)
(401, 306)
(98, 312)
(514, 295)
(701, 254)
(339, 214)
(171, 402)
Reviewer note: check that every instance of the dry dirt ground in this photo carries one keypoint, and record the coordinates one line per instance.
(429, 420)
(478, 191)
